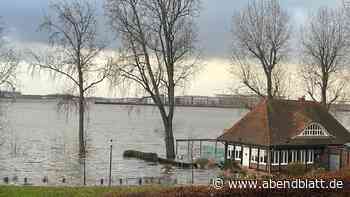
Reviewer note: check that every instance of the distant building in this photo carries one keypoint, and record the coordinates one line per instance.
(10, 94)
(197, 100)
(218, 100)
(238, 100)
(129, 100)
(184, 100)
(147, 100)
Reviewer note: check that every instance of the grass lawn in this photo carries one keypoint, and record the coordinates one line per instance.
(30, 191)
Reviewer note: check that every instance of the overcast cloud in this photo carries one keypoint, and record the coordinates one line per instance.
(22, 18)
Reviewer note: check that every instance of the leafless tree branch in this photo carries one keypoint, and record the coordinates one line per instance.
(158, 49)
(324, 52)
(261, 33)
(75, 48)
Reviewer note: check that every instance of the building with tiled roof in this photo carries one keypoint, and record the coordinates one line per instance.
(276, 133)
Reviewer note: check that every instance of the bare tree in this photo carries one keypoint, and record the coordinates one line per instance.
(254, 80)
(261, 34)
(8, 63)
(324, 55)
(74, 50)
(158, 51)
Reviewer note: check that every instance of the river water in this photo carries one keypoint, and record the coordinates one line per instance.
(39, 141)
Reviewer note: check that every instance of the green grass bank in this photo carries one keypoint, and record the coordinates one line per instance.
(31, 191)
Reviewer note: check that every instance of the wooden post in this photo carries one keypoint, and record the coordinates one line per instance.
(84, 168)
(258, 158)
(269, 160)
(341, 159)
(329, 157)
(241, 155)
(110, 165)
(279, 159)
(176, 148)
(250, 155)
(226, 147)
(188, 150)
(234, 152)
(306, 157)
(216, 146)
(192, 173)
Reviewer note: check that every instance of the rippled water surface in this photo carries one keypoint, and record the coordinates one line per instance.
(38, 141)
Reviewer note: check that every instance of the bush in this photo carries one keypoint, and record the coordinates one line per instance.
(203, 163)
(231, 165)
(316, 171)
(266, 177)
(296, 169)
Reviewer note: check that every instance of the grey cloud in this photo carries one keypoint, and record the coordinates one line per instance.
(23, 17)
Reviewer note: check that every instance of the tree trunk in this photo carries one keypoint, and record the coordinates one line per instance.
(324, 88)
(169, 140)
(168, 126)
(324, 96)
(170, 150)
(81, 112)
(269, 86)
(81, 125)
(82, 149)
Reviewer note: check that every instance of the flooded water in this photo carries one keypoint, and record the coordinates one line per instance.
(37, 141)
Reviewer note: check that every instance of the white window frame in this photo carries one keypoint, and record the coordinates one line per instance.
(230, 149)
(284, 157)
(310, 156)
(302, 156)
(314, 130)
(262, 157)
(254, 156)
(276, 157)
(238, 154)
(294, 156)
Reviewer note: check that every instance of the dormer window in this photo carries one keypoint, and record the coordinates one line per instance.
(315, 129)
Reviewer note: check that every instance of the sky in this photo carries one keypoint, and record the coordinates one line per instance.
(22, 18)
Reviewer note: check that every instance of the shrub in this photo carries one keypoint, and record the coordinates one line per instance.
(205, 163)
(296, 169)
(231, 165)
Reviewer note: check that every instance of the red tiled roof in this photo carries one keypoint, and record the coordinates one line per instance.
(277, 122)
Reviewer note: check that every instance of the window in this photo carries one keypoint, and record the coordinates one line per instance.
(238, 153)
(314, 129)
(293, 156)
(284, 159)
(254, 157)
(310, 156)
(230, 151)
(302, 156)
(275, 157)
(263, 157)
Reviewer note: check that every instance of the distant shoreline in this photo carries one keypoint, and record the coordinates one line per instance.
(146, 104)
(335, 107)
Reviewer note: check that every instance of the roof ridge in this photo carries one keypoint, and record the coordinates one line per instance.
(273, 122)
